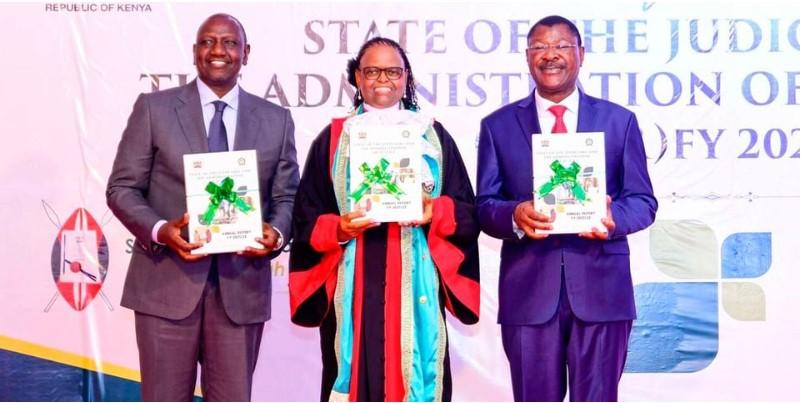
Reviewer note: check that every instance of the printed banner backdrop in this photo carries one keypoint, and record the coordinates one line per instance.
(715, 86)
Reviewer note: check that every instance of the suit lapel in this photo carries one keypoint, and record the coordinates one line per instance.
(246, 124)
(527, 118)
(190, 116)
(588, 118)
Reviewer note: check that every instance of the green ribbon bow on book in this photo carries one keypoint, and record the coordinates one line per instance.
(564, 175)
(376, 176)
(223, 191)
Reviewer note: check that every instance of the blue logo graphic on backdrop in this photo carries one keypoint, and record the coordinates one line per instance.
(677, 322)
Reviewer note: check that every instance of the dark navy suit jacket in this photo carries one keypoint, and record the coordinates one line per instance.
(597, 273)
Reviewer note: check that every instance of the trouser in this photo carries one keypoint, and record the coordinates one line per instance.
(544, 358)
(169, 351)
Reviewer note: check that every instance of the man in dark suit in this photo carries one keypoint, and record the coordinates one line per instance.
(566, 301)
(197, 308)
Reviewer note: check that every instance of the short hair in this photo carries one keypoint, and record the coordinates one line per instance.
(409, 99)
(552, 20)
(230, 17)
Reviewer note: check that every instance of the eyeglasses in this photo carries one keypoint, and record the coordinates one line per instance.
(540, 48)
(392, 73)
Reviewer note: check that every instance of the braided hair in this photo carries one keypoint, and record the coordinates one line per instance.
(409, 99)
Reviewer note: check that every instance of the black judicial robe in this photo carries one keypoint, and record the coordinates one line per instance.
(315, 254)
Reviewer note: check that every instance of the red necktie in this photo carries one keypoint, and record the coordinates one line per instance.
(559, 125)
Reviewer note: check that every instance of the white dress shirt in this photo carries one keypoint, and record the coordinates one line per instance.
(547, 119)
(207, 97)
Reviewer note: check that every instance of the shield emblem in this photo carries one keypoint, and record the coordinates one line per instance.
(79, 259)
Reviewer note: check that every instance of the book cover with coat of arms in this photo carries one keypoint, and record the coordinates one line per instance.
(385, 178)
(223, 201)
(570, 180)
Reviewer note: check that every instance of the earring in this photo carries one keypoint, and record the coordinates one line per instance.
(358, 96)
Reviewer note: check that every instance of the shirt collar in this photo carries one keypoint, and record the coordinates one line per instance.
(208, 96)
(571, 102)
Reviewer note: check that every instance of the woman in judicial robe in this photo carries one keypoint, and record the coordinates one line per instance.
(379, 291)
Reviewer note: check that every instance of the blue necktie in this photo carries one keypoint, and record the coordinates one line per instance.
(218, 141)
(218, 137)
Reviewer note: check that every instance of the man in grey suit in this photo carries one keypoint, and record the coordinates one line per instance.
(199, 308)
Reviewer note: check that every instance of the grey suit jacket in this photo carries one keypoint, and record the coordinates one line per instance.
(147, 185)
